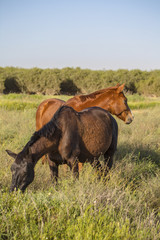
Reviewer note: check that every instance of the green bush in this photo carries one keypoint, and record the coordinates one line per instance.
(151, 85)
(76, 80)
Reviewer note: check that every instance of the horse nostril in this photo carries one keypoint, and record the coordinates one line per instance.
(129, 120)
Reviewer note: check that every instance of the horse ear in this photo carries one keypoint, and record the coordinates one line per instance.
(12, 154)
(120, 88)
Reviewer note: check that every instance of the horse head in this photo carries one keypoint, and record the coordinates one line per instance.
(117, 104)
(22, 170)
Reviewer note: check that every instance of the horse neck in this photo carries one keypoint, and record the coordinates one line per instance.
(100, 100)
(41, 147)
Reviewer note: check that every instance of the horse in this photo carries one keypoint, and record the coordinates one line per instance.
(111, 99)
(69, 137)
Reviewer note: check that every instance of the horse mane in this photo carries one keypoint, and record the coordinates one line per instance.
(46, 131)
(95, 94)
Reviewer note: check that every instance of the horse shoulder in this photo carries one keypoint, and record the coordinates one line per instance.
(69, 142)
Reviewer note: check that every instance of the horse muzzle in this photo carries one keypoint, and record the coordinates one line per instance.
(129, 119)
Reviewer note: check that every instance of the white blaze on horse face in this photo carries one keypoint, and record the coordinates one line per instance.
(129, 118)
(132, 114)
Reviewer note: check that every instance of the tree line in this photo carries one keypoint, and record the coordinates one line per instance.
(76, 80)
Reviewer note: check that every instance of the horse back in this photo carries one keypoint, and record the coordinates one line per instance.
(46, 111)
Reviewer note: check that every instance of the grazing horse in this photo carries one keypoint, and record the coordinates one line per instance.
(111, 99)
(69, 137)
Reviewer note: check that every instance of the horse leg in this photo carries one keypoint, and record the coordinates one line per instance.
(108, 156)
(53, 170)
(73, 164)
(65, 167)
(108, 159)
(97, 165)
(80, 165)
(44, 159)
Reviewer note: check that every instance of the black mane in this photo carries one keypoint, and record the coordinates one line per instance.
(47, 130)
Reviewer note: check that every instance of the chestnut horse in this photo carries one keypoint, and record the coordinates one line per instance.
(111, 99)
(69, 137)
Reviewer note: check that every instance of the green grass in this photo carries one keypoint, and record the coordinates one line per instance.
(26, 97)
(126, 205)
(143, 105)
(142, 98)
(23, 101)
(136, 101)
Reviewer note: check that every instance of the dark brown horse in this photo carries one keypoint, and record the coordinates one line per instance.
(111, 99)
(69, 137)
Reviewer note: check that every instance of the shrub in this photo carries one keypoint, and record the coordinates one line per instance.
(76, 80)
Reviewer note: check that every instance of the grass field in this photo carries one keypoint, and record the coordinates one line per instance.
(126, 205)
(24, 101)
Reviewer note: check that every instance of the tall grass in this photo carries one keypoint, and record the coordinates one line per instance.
(125, 205)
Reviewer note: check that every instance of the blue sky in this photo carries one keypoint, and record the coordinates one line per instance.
(101, 34)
